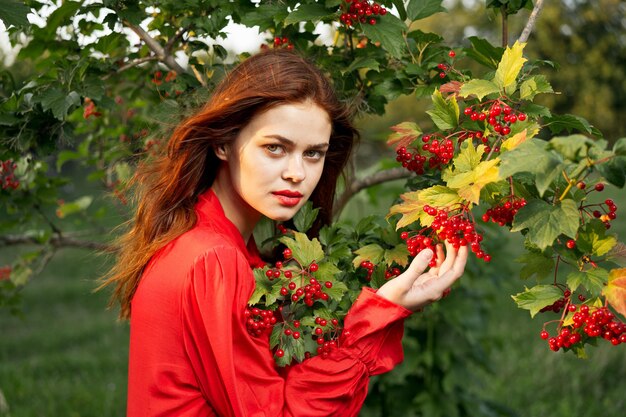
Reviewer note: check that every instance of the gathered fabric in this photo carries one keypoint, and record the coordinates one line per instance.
(191, 353)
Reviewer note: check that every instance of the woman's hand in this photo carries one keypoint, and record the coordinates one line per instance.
(415, 288)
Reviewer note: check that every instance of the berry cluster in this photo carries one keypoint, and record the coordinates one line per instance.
(280, 42)
(438, 152)
(7, 175)
(499, 115)
(587, 324)
(364, 11)
(90, 109)
(606, 211)
(369, 267)
(443, 67)
(157, 78)
(454, 226)
(503, 213)
(259, 321)
(5, 272)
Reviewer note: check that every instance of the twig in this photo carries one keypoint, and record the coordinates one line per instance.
(163, 55)
(531, 21)
(375, 179)
(132, 64)
(56, 241)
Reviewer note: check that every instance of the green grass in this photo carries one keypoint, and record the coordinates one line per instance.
(67, 355)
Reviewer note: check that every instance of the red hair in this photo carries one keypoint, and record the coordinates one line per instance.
(168, 188)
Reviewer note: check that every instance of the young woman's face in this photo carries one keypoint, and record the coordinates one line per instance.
(277, 159)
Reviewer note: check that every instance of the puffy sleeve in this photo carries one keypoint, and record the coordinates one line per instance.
(235, 372)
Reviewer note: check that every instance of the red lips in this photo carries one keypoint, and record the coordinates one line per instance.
(288, 198)
(288, 193)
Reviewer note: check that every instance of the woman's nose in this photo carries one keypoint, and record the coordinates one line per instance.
(294, 171)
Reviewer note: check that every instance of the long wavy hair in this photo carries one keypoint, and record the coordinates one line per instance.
(167, 189)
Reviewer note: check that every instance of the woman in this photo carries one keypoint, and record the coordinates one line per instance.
(272, 136)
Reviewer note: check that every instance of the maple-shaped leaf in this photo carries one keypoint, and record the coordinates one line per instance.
(594, 239)
(398, 254)
(372, 252)
(537, 297)
(510, 66)
(545, 222)
(412, 207)
(468, 184)
(615, 290)
(515, 140)
(404, 134)
(445, 112)
(593, 280)
(304, 250)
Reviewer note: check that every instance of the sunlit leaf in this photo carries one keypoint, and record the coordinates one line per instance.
(615, 291)
(545, 222)
(404, 134)
(445, 112)
(510, 66)
(478, 88)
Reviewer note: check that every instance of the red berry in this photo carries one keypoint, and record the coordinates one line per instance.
(451, 54)
(280, 353)
(571, 244)
(581, 185)
(313, 267)
(544, 335)
(287, 253)
(599, 186)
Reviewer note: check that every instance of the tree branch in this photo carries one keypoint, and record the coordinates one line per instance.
(57, 241)
(531, 21)
(163, 55)
(132, 64)
(375, 179)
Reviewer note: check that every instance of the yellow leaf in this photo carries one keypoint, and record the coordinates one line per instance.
(469, 184)
(412, 207)
(372, 252)
(615, 291)
(515, 140)
(469, 157)
(510, 65)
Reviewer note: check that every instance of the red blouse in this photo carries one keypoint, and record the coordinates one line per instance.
(190, 352)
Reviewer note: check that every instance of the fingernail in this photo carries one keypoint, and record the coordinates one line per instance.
(428, 253)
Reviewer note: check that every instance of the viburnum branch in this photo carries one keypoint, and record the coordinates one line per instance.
(170, 43)
(163, 55)
(56, 241)
(530, 24)
(375, 179)
(132, 64)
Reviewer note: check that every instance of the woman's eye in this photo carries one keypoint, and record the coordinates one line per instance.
(313, 154)
(275, 149)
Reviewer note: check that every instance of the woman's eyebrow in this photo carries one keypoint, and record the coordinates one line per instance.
(289, 142)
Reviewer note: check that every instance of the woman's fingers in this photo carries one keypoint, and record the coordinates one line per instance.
(451, 255)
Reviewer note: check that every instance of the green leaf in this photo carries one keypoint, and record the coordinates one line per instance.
(305, 217)
(308, 13)
(593, 239)
(13, 13)
(389, 32)
(420, 9)
(65, 156)
(546, 166)
(304, 250)
(484, 53)
(535, 264)
(445, 113)
(619, 148)
(398, 254)
(614, 171)
(58, 102)
(363, 62)
(372, 252)
(545, 222)
(510, 66)
(337, 291)
(537, 297)
(569, 122)
(592, 280)
(537, 84)
(617, 254)
(76, 206)
(573, 147)
(479, 88)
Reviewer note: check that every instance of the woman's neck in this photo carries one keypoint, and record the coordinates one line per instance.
(235, 208)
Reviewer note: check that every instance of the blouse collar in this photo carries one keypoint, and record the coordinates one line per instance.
(210, 212)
